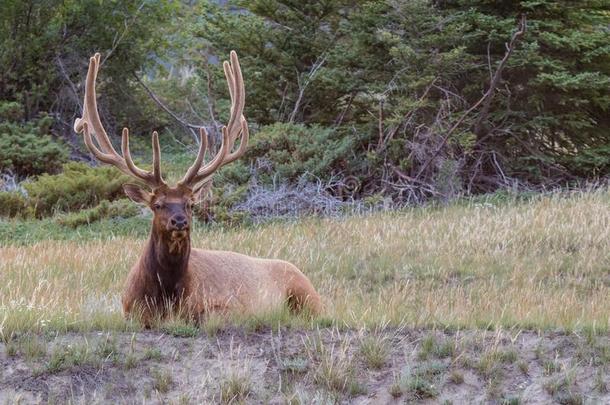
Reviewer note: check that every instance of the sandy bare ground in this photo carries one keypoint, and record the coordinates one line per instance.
(323, 366)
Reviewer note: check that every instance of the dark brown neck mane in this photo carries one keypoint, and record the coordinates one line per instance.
(166, 262)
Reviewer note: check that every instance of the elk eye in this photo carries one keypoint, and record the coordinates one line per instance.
(158, 206)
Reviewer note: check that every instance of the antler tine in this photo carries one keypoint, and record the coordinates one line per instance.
(90, 113)
(236, 91)
(105, 152)
(203, 146)
(243, 143)
(156, 158)
(148, 177)
(237, 125)
(215, 163)
(99, 155)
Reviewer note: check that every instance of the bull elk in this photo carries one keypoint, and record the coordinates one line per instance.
(170, 271)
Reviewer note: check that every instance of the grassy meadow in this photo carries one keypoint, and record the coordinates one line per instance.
(537, 264)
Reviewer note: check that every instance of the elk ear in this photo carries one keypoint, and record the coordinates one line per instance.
(201, 191)
(136, 194)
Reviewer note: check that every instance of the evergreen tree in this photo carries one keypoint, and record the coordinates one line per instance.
(555, 91)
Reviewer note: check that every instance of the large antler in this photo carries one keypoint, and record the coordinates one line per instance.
(197, 174)
(105, 152)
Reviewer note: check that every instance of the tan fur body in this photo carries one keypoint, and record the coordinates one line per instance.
(224, 282)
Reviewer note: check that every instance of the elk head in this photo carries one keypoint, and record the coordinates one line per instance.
(171, 205)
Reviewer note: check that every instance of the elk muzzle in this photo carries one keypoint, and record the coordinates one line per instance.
(178, 223)
(178, 226)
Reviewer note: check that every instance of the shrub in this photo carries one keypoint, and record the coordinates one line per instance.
(78, 186)
(289, 150)
(11, 111)
(116, 209)
(218, 205)
(25, 148)
(12, 204)
(26, 153)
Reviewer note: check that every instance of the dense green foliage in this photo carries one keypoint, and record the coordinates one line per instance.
(105, 210)
(292, 150)
(12, 204)
(409, 97)
(45, 45)
(395, 76)
(25, 147)
(78, 186)
(555, 92)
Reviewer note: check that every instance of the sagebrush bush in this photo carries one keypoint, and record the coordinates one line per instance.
(104, 210)
(26, 148)
(12, 204)
(79, 186)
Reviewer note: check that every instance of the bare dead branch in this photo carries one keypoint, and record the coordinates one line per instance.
(118, 38)
(380, 126)
(486, 99)
(495, 79)
(66, 77)
(308, 79)
(339, 120)
(211, 98)
(410, 114)
(158, 101)
(191, 127)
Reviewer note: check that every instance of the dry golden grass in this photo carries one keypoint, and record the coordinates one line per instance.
(541, 264)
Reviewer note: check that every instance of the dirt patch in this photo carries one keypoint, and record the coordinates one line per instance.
(289, 366)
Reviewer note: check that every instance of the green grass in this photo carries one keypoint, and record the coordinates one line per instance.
(23, 233)
(162, 380)
(430, 346)
(235, 387)
(422, 381)
(180, 329)
(63, 358)
(30, 346)
(152, 353)
(456, 377)
(374, 350)
(540, 263)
